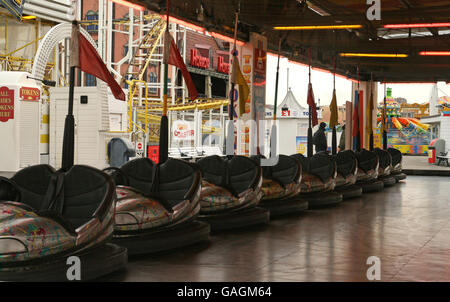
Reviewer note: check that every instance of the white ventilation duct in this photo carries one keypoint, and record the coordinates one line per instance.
(53, 10)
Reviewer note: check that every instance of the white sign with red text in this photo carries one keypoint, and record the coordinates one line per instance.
(183, 130)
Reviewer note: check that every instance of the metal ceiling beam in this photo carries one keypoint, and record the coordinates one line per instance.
(396, 16)
(325, 44)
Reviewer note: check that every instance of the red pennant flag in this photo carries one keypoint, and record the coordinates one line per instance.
(86, 57)
(172, 56)
(312, 105)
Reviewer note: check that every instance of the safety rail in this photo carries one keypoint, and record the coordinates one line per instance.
(134, 86)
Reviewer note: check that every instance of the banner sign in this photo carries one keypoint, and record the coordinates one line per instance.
(182, 130)
(30, 94)
(14, 6)
(6, 104)
(222, 67)
(198, 60)
(260, 59)
(301, 143)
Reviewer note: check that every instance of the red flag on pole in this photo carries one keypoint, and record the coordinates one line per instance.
(86, 57)
(312, 105)
(173, 57)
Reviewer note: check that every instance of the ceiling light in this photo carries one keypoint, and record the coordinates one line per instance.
(434, 53)
(374, 55)
(313, 27)
(28, 17)
(417, 25)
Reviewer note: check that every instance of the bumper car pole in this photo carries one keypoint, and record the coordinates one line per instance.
(334, 113)
(164, 130)
(370, 115)
(69, 131)
(311, 103)
(383, 121)
(243, 217)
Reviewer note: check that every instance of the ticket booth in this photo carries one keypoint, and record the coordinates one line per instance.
(20, 117)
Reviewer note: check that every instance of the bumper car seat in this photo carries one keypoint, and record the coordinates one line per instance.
(231, 191)
(318, 180)
(367, 176)
(396, 164)
(281, 187)
(48, 216)
(347, 168)
(157, 206)
(385, 168)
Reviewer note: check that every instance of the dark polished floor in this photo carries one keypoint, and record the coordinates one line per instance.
(406, 226)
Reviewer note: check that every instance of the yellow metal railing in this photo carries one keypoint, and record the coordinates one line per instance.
(24, 46)
(134, 86)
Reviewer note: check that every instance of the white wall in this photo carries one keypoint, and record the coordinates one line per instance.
(91, 122)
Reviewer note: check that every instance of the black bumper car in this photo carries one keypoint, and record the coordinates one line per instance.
(385, 168)
(49, 220)
(157, 206)
(396, 164)
(318, 180)
(347, 168)
(367, 176)
(231, 191)
(281, 187)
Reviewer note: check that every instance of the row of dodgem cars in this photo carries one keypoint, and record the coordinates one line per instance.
(87, 221)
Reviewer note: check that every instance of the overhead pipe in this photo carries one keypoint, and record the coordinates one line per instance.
(50, 14)
(52, 5)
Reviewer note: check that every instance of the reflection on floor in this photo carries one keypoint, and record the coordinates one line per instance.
(406, 226)
(421, 163)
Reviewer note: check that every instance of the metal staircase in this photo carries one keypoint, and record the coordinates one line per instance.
(143, 51)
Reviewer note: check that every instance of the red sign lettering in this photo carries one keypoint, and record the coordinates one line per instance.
(259, 63)
(6, 104)
(222, 66)
(30, 94)
(198, 61)
(285, 112)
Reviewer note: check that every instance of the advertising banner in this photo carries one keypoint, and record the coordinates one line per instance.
(302, 144)
(247, 71)
(183, 130)
(259, 76)
(30, 94)
(6, 104)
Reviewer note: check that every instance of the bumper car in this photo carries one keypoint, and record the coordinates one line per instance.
(367, 176)
(47, 217)
(396, 164)
(281, 187)
(157, 205)
(231, 191)
(347, 168)
(318, 180)
(385, 168)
